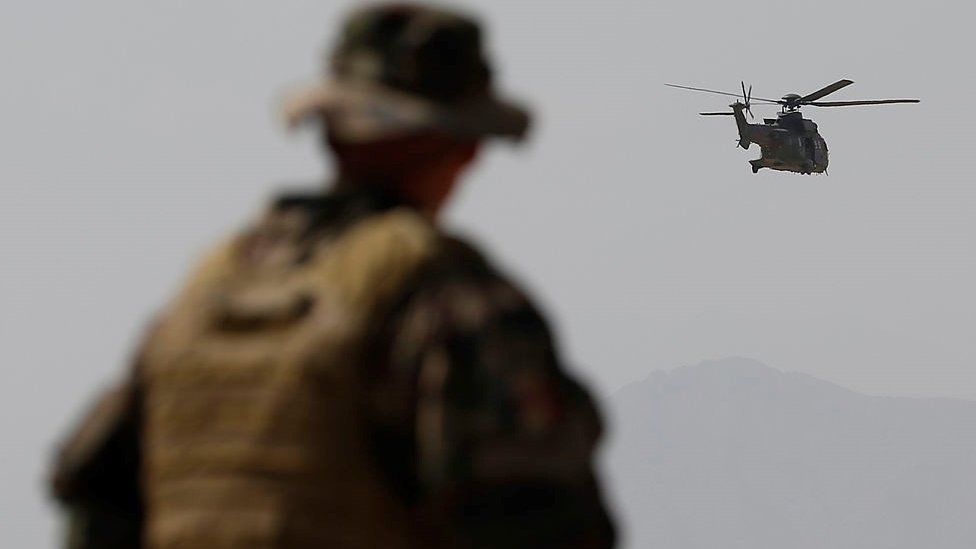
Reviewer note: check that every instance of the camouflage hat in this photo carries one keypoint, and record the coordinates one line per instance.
(406, 68)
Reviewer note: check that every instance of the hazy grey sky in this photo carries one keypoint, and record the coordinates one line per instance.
(133, 134)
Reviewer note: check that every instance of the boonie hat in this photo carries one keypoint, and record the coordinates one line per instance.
(407, 68)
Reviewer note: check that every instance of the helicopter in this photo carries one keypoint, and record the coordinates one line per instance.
(788, 142)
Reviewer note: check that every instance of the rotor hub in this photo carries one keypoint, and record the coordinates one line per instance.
(791, 102)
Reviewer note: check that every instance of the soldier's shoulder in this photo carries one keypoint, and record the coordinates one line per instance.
(458, 262)
(464, 282)
(462, 253)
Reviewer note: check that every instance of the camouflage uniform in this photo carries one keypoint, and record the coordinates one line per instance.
(343, 374)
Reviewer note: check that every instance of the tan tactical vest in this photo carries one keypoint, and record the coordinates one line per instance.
(253, 424)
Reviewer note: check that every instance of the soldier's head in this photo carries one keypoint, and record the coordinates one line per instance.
(407, 99)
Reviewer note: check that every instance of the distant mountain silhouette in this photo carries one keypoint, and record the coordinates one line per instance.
(734, 454)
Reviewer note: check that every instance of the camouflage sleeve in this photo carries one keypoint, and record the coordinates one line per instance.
(95, 474)
(502, 437)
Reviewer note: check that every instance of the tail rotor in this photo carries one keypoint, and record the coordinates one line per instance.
(747, 98)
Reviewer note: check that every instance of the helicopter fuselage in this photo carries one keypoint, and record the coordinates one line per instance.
(788, 142)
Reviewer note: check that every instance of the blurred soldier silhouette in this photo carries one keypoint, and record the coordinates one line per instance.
(343, 374)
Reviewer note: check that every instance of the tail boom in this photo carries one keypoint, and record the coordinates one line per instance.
(738, 110)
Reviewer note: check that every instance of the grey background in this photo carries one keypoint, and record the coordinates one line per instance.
(133, 134)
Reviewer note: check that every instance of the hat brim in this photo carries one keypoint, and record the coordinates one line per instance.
(361, 112)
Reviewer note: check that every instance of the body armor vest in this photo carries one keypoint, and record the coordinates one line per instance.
(254, 421)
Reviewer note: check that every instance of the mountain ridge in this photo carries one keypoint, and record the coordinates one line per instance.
(733, 453)
(723, 363)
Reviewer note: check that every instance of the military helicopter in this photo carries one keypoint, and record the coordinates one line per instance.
(789, 142)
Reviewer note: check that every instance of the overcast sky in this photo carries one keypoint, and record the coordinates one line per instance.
(132, 134)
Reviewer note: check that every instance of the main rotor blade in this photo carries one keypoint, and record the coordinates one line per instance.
(854, 103)
(825, 91)
(717, 113)
(720, 93)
